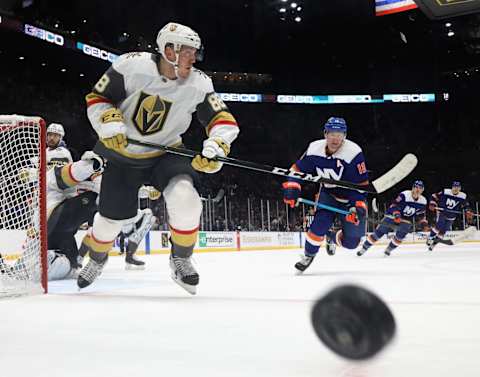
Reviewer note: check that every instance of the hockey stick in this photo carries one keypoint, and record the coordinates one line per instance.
(323, 206)
(457, 212)
(381, 184)
(217, 198)
(465, 234)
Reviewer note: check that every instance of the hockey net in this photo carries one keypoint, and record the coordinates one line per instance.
(23, 235)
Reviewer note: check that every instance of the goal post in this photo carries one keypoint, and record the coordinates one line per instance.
(23, 230)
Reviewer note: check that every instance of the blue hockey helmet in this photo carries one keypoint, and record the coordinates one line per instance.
(456, 184)
(335, 124)
(418, 183)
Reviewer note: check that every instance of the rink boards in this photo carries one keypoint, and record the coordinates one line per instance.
(157, 242)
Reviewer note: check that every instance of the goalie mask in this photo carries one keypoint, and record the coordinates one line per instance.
(178, 35)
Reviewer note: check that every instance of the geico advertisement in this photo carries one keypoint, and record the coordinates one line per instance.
(96, 52)
(216, 239)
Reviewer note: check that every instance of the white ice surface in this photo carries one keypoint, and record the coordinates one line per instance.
(251, 317)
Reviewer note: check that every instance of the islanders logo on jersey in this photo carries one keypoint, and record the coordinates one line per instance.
(150, 113)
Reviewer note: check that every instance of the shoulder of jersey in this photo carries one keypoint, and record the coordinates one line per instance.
(317, 148)
(201, 80)
(460, 195)
(409, 198)
(347, 153)
(59, 150)
(422, 200)
(136, 62)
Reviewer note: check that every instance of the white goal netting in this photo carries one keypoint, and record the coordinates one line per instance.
(22, 205)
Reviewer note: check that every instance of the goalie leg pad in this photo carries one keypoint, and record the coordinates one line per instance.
(58, 266)
(141, 229)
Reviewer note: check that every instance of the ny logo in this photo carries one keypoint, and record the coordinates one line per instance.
(451, 203)
(331, 173)
(409, 211)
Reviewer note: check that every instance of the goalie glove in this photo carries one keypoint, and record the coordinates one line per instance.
(112, 130)
(212, 147)
(98, 163)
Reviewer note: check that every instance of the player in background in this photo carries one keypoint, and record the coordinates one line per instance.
(152, 98)
(57, 155)
(407, 209)
(443, 203)
(334, 157)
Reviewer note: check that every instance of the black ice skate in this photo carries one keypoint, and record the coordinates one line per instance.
(303, 264)
(184, 274)
(361, 252)
(90, 272)
(431, 243)
(132, 263)
(387, 252)
(330, 245)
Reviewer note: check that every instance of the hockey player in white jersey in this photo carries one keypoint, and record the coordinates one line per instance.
(71, 200)
(152, 98)
(57, 155)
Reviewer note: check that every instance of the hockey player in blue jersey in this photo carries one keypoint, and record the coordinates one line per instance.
(408, 208)
(447, 204)
(334, 157)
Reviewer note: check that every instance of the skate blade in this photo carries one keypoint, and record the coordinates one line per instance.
(133, 267)
(298, 272)
(192, 289)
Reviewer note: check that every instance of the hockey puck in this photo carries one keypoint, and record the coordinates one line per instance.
(353, 322)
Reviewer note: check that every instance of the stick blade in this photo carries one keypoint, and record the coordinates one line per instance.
(464, 235)
(404, 167)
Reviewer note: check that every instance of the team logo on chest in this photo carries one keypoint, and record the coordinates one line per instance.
(409, 211)
(150, 113)
(330, 173)
(451, 203)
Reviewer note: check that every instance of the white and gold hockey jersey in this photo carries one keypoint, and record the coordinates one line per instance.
(63, 183)
(156, 109)
(58, 156)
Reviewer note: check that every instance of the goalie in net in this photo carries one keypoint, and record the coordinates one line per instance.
(71, 191)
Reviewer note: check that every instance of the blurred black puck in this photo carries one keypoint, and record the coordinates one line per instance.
(353, 322)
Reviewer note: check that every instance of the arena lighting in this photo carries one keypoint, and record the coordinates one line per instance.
(298, 19)
(293, 5)
(282, 10)
(451, 33)
(448, 24)
(63, 70)
(21, 58)
(299, 9)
